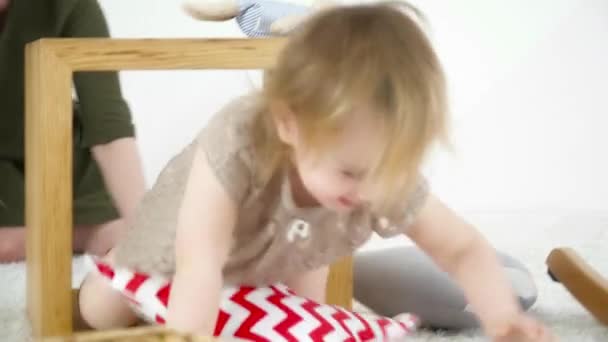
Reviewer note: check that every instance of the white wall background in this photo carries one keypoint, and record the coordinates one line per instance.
(528, 88)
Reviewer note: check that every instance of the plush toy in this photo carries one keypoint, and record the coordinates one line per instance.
(273, 313)
(256, 18)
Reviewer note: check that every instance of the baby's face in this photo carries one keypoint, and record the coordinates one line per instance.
(335, 176)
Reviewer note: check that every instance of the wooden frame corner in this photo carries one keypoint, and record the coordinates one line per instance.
(50, 64)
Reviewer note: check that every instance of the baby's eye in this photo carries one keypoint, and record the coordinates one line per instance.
(348, 174)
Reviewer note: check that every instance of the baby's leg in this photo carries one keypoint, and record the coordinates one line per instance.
(411, 282)
(102, 307)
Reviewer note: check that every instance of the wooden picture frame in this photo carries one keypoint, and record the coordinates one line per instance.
(50, 64)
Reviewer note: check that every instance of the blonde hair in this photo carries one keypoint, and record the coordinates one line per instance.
(343, 58)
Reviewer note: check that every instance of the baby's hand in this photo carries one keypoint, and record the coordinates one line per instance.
(525, 329)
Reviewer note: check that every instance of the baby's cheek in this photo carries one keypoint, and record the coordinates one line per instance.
(326, 185)
(343, 185)
(314, 183)
(327, 181)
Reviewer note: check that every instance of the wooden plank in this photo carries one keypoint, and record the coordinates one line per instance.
(48, 178)
(141, 334)
(104, 54)
(585, 283)
(340, 284)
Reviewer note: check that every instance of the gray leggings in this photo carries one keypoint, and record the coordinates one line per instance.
(404, 279)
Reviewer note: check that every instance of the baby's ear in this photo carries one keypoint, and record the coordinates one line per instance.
(212, 10)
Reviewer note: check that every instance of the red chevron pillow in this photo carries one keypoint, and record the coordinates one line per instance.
(269, 314)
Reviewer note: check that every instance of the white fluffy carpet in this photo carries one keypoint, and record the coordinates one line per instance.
(528, 237)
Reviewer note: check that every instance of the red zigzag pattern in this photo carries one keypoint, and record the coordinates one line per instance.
(256, 311)
(291, 319)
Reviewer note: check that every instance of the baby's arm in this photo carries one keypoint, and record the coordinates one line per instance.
(204, 237)
(463, 252)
